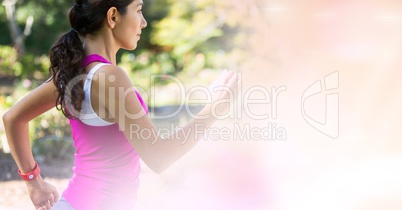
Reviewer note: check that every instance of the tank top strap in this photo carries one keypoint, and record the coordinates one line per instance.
(90, 75)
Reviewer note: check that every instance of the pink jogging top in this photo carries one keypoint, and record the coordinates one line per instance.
(106, 167)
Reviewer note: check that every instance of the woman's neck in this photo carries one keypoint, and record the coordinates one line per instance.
(101, 44)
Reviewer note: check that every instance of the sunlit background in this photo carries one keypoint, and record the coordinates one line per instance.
(332, 136)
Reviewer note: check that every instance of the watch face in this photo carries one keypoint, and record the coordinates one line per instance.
(31, 176)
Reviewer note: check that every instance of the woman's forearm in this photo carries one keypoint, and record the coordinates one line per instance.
(18, 140)
(170, 149)
(184, 139)
(16, 123)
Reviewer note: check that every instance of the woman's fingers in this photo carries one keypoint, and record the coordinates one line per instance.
(232, 83)
(225, 86)
(48, 206)
(54, 196)
(229, 75)
(51, 199)
(233, 79)
(220, 80)
(44, 206)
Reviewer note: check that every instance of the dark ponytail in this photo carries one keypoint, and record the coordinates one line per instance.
(66, 55)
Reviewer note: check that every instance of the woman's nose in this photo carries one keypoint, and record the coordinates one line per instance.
(144, 23)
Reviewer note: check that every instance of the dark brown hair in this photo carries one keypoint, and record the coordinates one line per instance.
(66, 55)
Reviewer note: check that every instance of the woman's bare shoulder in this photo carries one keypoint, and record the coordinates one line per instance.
(111, 75)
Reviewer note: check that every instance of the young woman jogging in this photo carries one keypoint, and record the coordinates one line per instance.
(103, 107)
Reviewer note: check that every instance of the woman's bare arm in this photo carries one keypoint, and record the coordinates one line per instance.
(124, 108)
(16, 122)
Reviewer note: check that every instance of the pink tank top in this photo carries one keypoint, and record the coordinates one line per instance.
(106, 167)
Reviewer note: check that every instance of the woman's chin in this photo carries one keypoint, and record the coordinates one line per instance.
(129, 48)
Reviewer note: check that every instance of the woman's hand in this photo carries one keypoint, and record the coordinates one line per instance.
(224, 91)
(43, 195)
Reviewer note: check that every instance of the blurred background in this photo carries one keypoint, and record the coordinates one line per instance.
(337, 147)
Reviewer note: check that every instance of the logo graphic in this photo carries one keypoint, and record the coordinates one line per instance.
(330, 127)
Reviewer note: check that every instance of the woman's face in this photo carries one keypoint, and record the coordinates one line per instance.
(127, 32)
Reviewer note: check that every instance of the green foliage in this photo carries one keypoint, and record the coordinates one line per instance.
(186, 30)
(27, 66)
(9, 64)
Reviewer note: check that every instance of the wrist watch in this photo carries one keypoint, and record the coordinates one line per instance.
(31, 175)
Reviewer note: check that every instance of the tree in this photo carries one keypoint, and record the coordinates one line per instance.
(17, 36)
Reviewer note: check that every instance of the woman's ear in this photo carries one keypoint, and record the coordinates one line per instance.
(112, 17)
